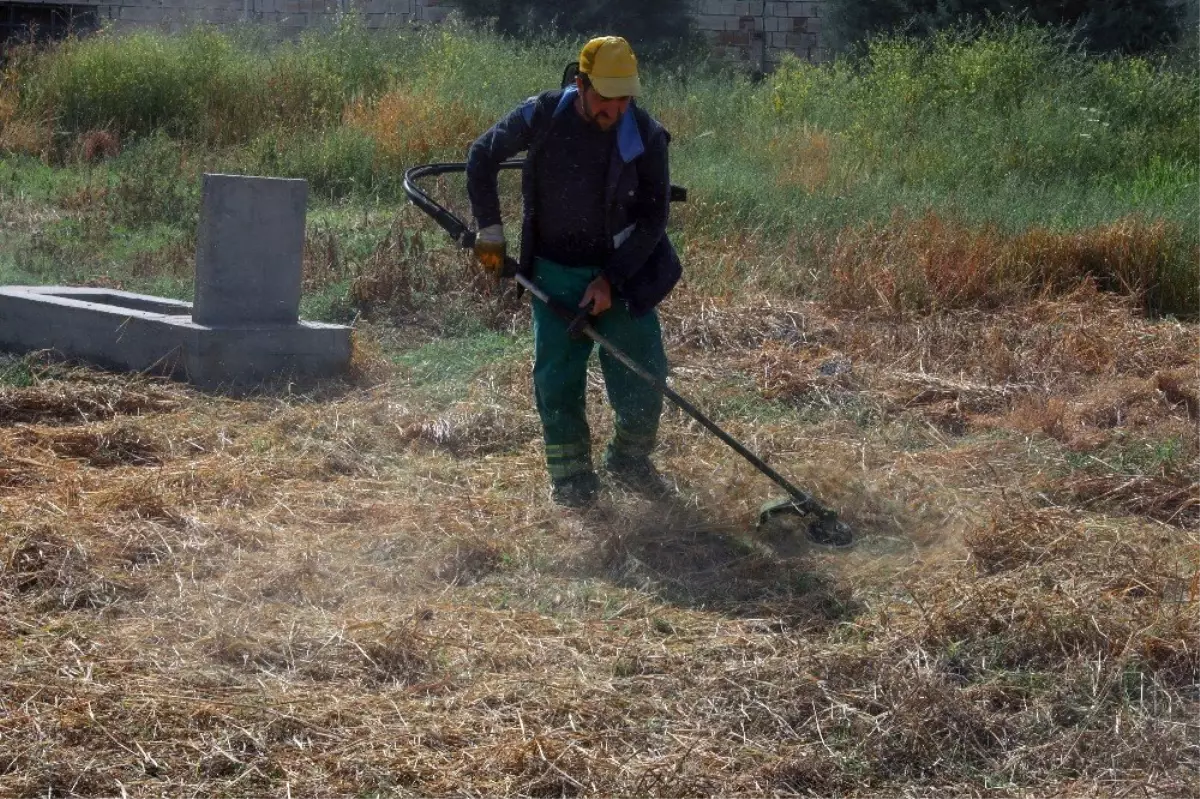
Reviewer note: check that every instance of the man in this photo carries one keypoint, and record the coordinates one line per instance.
(596, 191)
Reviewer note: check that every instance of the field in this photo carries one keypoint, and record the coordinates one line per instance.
(950, 288)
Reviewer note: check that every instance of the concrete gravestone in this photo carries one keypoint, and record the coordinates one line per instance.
(248, 251)
(244, 327)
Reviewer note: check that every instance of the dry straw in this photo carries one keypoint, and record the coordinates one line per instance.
(364, 589)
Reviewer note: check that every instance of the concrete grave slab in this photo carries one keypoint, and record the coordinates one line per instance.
(140, 333)
(244, 328)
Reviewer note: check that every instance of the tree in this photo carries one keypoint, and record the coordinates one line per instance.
(1102, 26)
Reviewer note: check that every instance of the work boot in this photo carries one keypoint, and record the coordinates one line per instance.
(637, 474)
(577, 491)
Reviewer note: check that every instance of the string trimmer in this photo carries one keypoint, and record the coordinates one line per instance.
(825, 528)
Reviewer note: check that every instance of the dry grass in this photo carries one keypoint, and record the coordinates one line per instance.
(19, 133)
(807, 158)
(26, 137)
(404, 278)
(96, 145)
(932, 263)
(408, 127)
(354, 592)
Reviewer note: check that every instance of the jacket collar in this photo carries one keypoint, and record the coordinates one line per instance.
(629, 138)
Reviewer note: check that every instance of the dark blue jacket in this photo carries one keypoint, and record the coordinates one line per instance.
(642, 265)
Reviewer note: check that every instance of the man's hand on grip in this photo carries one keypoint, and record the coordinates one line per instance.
(490, 248)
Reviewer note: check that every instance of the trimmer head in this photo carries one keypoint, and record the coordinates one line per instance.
(824, 530)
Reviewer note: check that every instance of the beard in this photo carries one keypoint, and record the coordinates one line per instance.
(602, 120)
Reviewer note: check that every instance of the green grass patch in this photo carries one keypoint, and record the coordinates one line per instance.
(1137, 457)
(154, 260)
(445, 367)
(16, 372)
(330, 303)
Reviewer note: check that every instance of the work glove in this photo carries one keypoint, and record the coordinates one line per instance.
(490, 248)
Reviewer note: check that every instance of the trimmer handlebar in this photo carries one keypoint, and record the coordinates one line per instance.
(458, 230)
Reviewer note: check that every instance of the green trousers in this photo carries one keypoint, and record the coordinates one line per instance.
(560, 366)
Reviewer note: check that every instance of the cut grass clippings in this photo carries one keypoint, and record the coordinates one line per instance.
(354, 592)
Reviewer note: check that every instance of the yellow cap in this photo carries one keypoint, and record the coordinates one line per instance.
(611, 66)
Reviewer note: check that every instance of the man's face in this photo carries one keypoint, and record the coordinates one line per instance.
(603, 112)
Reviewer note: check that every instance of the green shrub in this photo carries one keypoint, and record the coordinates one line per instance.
(133, 84)
(1010, 101)
(155, 183)
(206, 84)
(489, 72)
(1103, 26)
(337, 163)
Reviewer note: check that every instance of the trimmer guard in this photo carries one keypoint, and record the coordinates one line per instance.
(825, 529)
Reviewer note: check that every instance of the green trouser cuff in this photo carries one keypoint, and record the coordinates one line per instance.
(628, 443)
(568, 460)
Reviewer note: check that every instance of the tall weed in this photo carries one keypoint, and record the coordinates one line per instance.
(409, 127)
(337, 162)
(20, 134)
(1012, 99)
(206, 84)
(930, 263)
(969, 139)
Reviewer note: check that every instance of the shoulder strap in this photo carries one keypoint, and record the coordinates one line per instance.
(569, 74)
(541, 120)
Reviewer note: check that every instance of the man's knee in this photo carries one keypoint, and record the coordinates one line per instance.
(557, 391)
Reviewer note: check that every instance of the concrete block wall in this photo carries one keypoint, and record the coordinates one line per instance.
(761, 32)
(756, 32)
(289, 16)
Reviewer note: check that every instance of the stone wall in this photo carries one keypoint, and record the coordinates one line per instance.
(289, 16)
(757, 32)
(760, 32)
